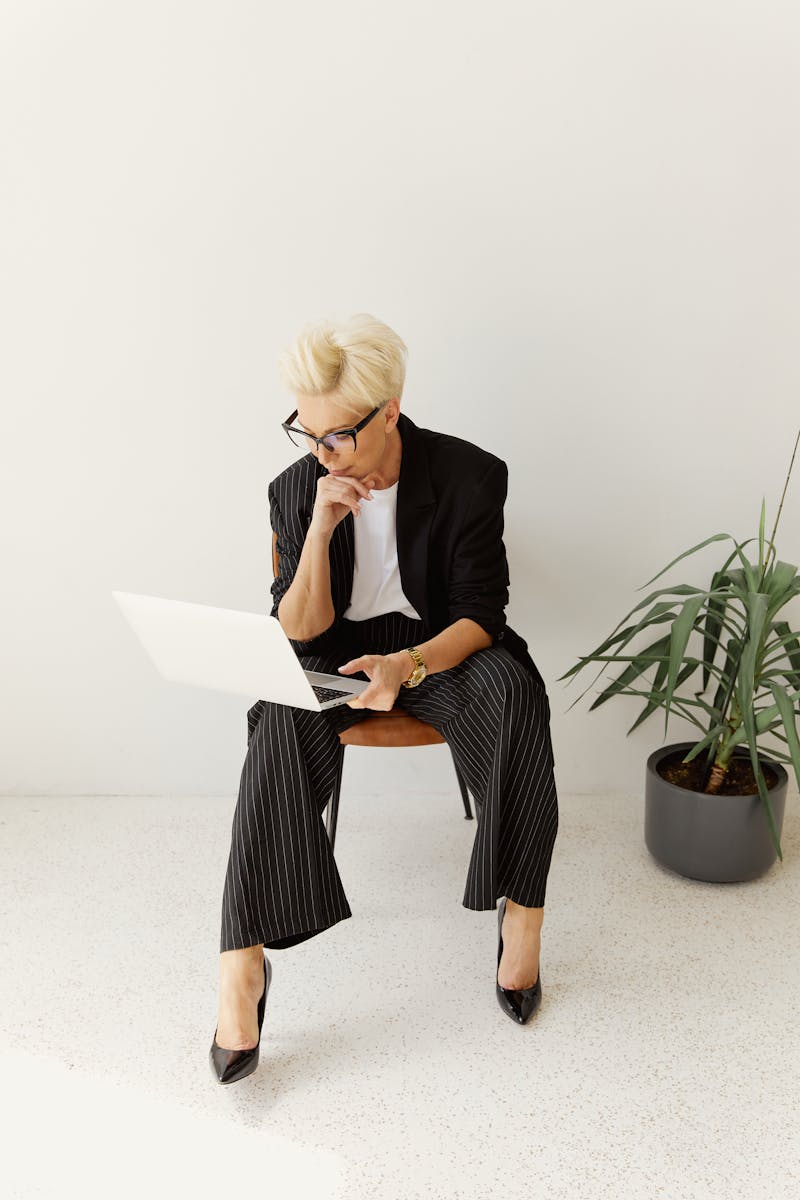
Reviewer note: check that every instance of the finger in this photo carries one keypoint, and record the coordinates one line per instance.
(349, 484)
(352, 665)
(342, 494)
(345, 485)
(362, 486)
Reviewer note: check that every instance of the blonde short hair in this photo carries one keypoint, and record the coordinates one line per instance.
(360, 361)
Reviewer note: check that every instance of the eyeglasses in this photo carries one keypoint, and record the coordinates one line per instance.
(341, 439)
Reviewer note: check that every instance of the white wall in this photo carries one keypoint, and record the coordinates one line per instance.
(581, 217)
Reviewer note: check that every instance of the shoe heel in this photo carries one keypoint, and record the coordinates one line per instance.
(229, 1066)
(518, 1003)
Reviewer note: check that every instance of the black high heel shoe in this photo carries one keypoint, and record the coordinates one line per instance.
(231, 1065)
(518, 1003)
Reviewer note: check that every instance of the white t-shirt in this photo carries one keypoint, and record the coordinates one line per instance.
(376, 575)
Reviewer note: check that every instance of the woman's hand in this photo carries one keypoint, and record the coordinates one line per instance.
(336, 497)
(386, 673)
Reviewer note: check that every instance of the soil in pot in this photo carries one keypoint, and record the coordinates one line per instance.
(739, 778)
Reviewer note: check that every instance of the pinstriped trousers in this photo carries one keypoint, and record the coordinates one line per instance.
(282, 884)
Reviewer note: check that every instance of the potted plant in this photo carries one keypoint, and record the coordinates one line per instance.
(716, 818)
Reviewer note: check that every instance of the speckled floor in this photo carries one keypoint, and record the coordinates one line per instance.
(663, 1062)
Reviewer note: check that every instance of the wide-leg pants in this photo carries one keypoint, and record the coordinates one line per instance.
(282, 884)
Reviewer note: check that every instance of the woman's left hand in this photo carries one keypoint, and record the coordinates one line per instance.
(385, 673)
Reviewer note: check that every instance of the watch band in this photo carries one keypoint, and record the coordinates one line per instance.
(420, 669)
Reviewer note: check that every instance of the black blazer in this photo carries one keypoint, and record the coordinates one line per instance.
(450, 548)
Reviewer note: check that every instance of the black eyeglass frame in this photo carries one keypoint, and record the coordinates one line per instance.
(309, 437)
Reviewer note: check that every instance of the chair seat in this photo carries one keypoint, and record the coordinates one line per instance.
(393, 728)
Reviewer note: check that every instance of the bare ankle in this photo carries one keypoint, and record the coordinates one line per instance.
(521, 910)
(242, 953)
(245, 961)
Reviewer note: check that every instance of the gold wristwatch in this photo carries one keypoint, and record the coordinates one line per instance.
(420, 670)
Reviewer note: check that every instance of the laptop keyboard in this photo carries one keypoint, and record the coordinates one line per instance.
(326, 693)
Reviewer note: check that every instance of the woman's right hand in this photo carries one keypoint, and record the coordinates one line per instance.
(337, 495)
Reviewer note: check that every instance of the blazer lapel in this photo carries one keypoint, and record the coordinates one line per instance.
(416, 502)
(346, 557)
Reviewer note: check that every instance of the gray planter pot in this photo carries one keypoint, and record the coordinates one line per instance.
(719, 839)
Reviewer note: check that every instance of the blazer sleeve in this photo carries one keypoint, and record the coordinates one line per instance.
(288, 552)
(478, 584)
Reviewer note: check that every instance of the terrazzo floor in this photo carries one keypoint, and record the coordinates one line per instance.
(663, 1062)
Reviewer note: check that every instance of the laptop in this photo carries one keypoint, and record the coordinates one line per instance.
(229, 651)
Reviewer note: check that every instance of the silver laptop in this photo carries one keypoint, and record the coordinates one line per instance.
(229, 651)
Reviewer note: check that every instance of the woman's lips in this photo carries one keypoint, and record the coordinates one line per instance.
(337, 472)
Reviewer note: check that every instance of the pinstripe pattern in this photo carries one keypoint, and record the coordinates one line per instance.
(282, 884)
(449, 525)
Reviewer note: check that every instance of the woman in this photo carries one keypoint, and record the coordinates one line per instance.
(392, 569)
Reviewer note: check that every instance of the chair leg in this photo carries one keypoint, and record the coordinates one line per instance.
(333, 803)
(463, 786)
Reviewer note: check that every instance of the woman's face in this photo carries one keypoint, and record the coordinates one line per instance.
(322, 414)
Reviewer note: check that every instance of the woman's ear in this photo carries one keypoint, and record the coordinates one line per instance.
(391, 412)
